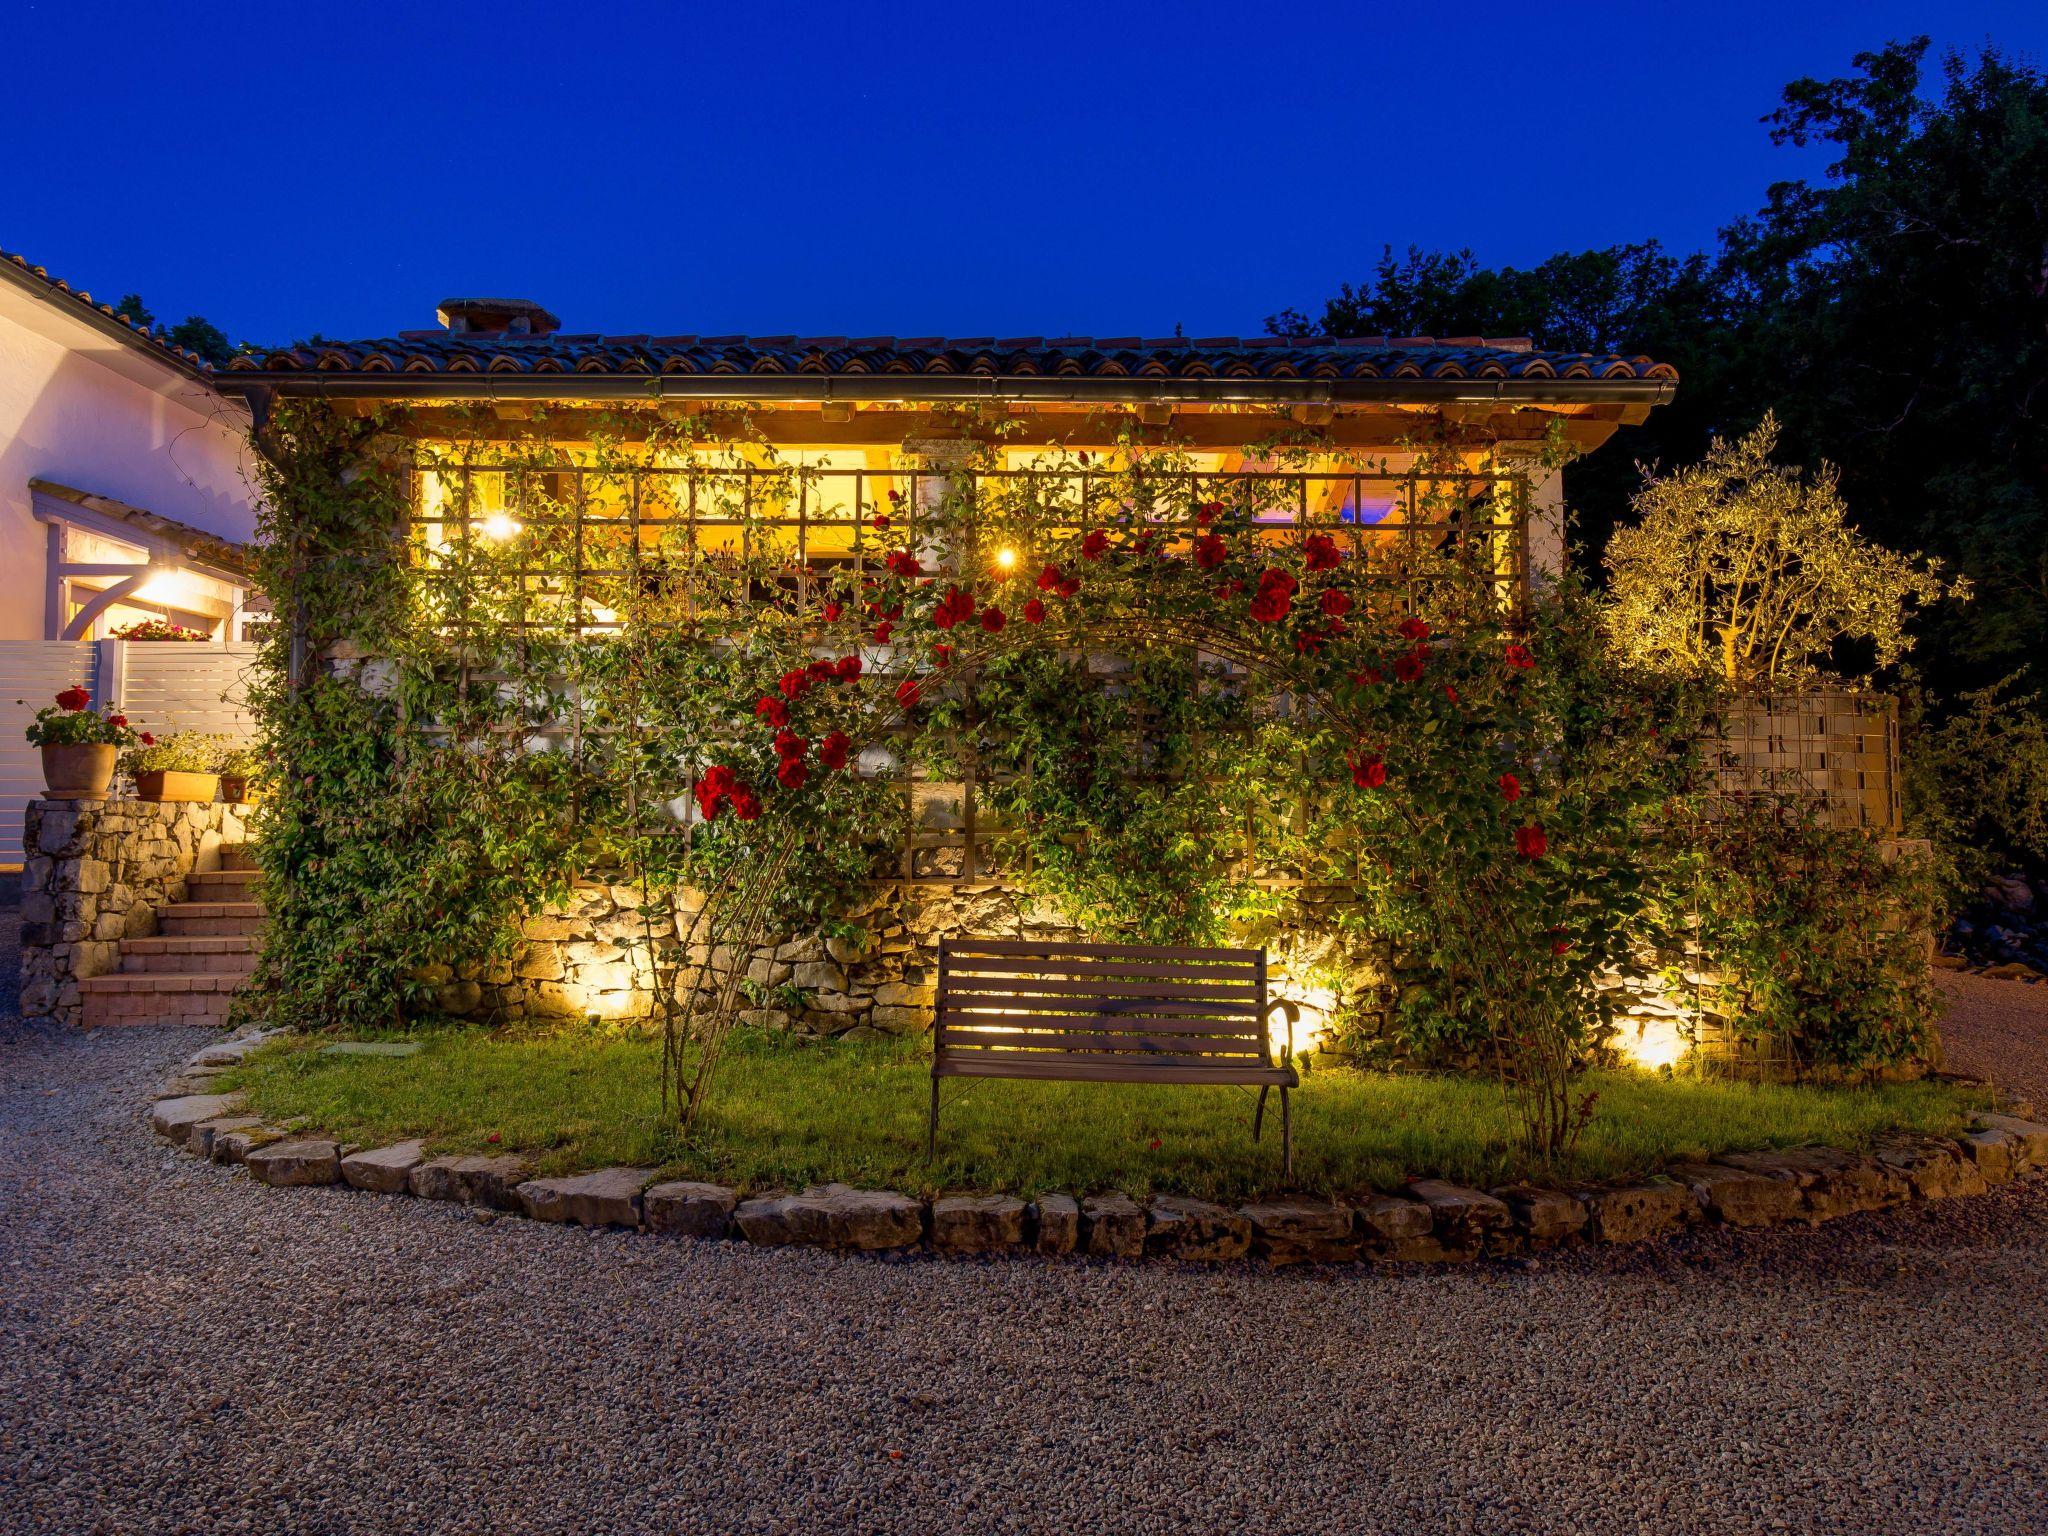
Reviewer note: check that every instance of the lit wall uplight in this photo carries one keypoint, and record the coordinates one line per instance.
(1006, 559)
(1653, 1042)
(499, 526)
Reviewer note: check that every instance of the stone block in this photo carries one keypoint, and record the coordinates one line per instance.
(200, 1139)
(900, 1021)
(2031, 1137)
(492, 1181)
(1935, 1169)
(1059, 1225)
(1543, 1216)
(1741, 1197)
(609, 1197)
(1833, 1182)
(820, 976)
(899, 994)
(1200, 1231)
(1388, 1219)
(384, 1170)
(833, 1216)
(175, 1118)
(235, 1146)
(1113, 1227)
(1463, 1218)
(299, 1161)
(1632, 1212)
(977, 1223)
(1301, 1231)
(1994, 1153)
(684, 1208)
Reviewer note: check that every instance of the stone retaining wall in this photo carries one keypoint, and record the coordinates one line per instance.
(1426, 1221)
(93, 873)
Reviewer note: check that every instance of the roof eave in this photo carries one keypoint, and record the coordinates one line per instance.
(885, 388)
(83, 310)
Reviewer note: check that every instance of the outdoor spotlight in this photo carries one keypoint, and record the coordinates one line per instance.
(500, 526)
(1006, 559)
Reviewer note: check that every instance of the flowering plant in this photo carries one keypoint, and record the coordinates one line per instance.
(70, 722)
(158, 629)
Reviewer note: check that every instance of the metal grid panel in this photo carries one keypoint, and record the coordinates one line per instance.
(1835, 748)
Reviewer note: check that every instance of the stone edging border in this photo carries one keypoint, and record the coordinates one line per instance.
(1432, 1221)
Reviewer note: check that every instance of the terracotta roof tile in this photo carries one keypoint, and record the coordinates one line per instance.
(59, 292)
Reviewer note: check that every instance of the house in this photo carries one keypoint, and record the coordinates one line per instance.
(126, 490)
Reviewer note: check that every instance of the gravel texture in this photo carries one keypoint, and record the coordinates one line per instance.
(1998, 1029)
(183, 1351)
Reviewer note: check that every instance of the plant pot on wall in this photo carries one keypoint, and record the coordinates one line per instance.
(78, 770)
(171, 784)
(238, 789)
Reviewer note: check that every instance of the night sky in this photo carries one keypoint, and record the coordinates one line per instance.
(964, 169)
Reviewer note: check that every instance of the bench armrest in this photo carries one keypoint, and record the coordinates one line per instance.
(1292, 1010)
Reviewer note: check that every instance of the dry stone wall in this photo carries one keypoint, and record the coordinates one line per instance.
(93, 873)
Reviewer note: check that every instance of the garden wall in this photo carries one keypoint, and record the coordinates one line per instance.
(94, 873)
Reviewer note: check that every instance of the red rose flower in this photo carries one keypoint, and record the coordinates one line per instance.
(833, 610)
(1049, 579)
(1519, 659)
(1510, 787)
(956, 607)
(74, 699)
(882, 632)
(1229, 588)
(792, 773)
(1368, 772)
(1034, 612)
(745, 805)
(1335, 603)
(1408, 665)
(1069, 587)
(1309, 642)
(148, 740)
(795, 683)
(993, 620)
(1094, 544)
(1211, 551)
(881, 522)
(1321, 551)
(1560, 946)
(832, 750)
(773, 710)
(1530, 842)
(820, 671)
(1451, 692)
(1206, 513)
(903, 563)
(944, 654)
(1413, 629)
(847, 668)
(1367, 677)
(789, 744)
(1275, 595)
(908, 692)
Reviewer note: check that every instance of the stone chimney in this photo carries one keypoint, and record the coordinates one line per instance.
(496, 317)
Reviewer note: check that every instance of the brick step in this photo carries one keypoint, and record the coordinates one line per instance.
(225, 954)
(221, 885)
(236, 856)
(196, 919)
(157, 999)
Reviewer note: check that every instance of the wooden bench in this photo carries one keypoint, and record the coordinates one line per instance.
(1109, 1013)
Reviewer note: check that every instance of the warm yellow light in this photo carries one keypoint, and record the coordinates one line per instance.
(171, 588)
(1006, 559)
(1653, 1043)
(500, 526)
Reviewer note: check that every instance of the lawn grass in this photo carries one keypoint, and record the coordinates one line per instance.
(785, 1113)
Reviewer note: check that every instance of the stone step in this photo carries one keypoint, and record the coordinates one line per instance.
(237, 856)
(196, 919)
(157, 999)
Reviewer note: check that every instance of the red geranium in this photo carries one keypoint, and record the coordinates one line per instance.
(1530, 842)
(1519, 659)
(1322, 553)
(713, 789)
(1094, 544)
(117, 719)
(993, 620)
(1510, 787)
(1451, 692)
(944, 654)
(1368, 772)
(772, 709)
(1211, 551)
(1413, 629)
(1034, 612)
(74, 699)
(832, 750)
(1336, 603)
(148, 740)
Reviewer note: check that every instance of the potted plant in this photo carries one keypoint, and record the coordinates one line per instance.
(78, 745)
(159, 629)
(240, 770)
(177, 767)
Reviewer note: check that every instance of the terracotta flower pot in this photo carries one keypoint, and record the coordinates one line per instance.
(78, 770)
(171, 784)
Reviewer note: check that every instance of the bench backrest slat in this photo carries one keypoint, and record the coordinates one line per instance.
(1127, 1005)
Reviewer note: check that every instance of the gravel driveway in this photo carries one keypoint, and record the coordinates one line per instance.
(181, 1351)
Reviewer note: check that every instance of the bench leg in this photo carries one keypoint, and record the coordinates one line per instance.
(1286, 1137)
(1259, 1114)
(931, 1136)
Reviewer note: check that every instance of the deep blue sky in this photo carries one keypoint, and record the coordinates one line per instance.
(962, 168)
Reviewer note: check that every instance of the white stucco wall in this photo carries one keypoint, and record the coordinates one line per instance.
(84, 409)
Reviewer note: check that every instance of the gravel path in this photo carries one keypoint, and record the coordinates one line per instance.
(1998, 1029)
(182, 1351)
